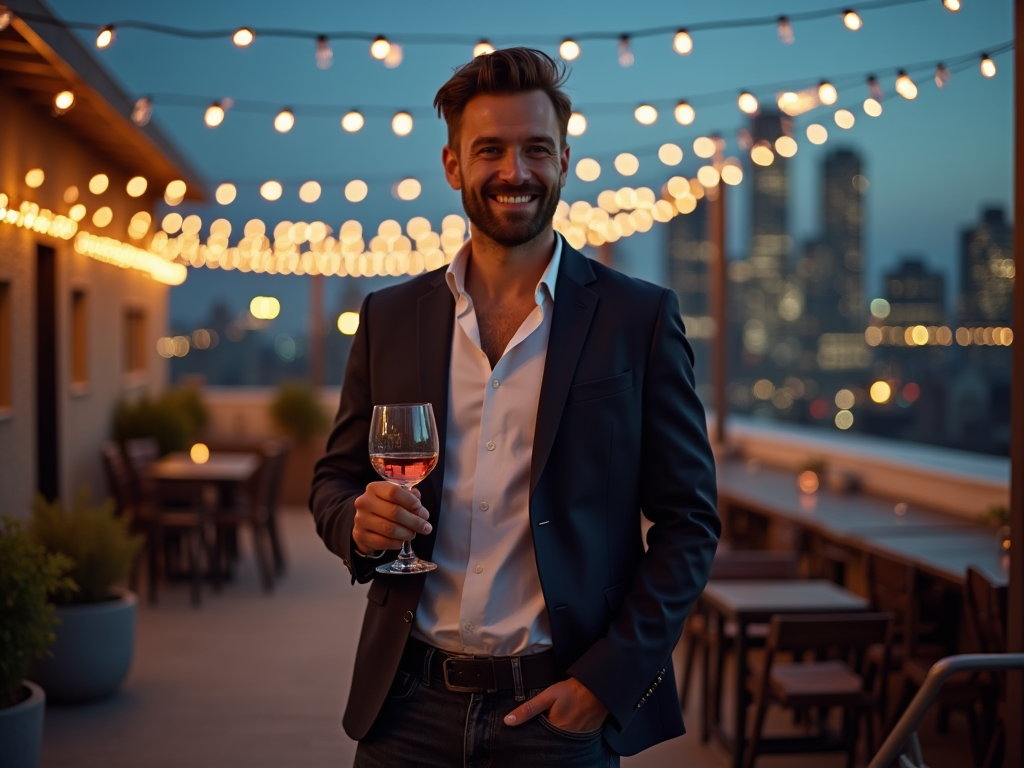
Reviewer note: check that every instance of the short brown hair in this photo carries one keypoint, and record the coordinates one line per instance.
(506, 71)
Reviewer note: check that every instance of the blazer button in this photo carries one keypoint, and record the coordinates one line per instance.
(408, 617)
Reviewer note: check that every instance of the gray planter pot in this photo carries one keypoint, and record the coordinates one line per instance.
(21, 730)
(93, 651)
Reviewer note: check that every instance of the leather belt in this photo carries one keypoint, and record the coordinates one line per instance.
(481, 674)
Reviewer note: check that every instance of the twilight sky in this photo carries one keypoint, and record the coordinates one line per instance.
(932, 163)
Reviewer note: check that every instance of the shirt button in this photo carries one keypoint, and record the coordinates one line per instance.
(490, 446)
(484, 506)
(469, 626)
(494, 384)
(479, 569)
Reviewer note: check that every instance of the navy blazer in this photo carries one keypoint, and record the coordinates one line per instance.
(619, 430)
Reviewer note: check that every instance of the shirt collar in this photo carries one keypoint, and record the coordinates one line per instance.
(456, 273)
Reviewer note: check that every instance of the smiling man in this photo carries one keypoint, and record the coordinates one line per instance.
(565, 405)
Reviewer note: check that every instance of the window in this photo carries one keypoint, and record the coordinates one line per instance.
(135, 341)
(5, 345)
(79, 338)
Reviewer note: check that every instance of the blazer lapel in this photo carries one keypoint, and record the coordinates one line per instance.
(435, 315)
(570, 322)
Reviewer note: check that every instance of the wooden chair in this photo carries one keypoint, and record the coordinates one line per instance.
(155, 522)
(733, 565)
(823, 683)
(986, 606)
(277, 469)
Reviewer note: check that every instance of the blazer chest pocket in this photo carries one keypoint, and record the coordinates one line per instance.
(592, 390)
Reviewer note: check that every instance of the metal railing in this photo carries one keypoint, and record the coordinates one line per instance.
(903, 738)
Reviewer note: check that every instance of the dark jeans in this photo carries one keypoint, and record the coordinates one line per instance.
(422, 723)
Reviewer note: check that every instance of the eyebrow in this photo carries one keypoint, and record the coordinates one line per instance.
(483, 140)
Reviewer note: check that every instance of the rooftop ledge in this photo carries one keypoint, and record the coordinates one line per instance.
(958, 482)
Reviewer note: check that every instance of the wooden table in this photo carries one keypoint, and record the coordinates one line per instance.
(219, 468)
(753, 602)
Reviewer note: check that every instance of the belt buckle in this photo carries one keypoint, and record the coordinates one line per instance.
(449, 685)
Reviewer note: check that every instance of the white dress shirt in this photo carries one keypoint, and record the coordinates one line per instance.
(485, 596)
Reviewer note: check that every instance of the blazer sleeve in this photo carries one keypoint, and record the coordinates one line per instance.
(678, 493)
(345, 470)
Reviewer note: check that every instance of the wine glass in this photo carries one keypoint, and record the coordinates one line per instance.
(403, 450)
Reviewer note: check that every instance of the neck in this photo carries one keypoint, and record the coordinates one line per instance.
(496, 271)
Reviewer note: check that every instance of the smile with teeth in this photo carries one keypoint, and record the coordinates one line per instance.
(513, 198)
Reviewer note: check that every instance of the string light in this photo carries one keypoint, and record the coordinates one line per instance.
(380, 47)
(588, 169)
(761, 154)
(394, 57)
(63, 101)
(401, 123)
(126, 256)
(942, 76)
(627, 164)
(355, 191)
(214, 115)
(786, 36)
(243, 37)
(226, 193)
(577, 124)
(852, 21)
(704, 147)
(482, 49)
(786, 146)
(105, 37)
(844, 119)
(747, 103)
(323, 54)
(817, 134)
(988, 67)
(271, 190)
(670, 154)
(98, 184)
(827, 93)
(682, 43)
(874, 88)
(645, 114)
(309, 192)
(684, 113)
(142, 111)
(872, 107)
(284, 121)
(905, 87)
(352, 121)
(136, 186)
(5, 17)
(625, 52)
(952, 5)
(35, 178)
(569, 50)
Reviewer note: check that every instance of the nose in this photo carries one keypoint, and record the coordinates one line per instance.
(514, 168)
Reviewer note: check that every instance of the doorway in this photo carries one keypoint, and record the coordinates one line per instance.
(47, 464)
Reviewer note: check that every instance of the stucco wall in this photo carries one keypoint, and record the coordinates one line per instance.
(31, 138)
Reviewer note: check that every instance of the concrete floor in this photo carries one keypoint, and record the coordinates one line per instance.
(257, 680)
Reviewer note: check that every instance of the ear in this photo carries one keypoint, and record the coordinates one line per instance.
(564, 163)
(452, 172)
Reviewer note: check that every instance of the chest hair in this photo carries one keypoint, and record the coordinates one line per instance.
(499, 323)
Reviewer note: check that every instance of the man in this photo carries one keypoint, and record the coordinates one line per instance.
(565, 404)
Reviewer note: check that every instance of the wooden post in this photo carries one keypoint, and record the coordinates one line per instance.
(717, 274)
(316, 330)
(1015, 628)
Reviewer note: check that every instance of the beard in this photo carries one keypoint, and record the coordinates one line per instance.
(511, 228)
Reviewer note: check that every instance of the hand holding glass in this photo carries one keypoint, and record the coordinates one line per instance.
(403, 450)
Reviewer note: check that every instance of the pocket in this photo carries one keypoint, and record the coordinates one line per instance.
(585, 736)
(592, 390)
(403, 686)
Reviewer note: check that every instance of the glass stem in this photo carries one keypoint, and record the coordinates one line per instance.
(406, 553)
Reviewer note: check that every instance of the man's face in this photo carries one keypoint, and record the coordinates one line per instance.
(509, 163)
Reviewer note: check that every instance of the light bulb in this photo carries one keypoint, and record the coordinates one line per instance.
(785, 31)
(874, 88)
(905, 87)
(243, 37)
(827, 93)
(852, 21)
(952, 5)
(569, 50)
(284, 121)
(942, 76)
(63, 101)
(988, 67)
(394, 57)
(645, 114)
(482, 49)
(577, 124)
(682, 43)
(5, 18)
(352, 121)
(214, 115)
(625, 52)
(380, 47)
(323, 54)
(747, 103)
(105, 37)
(685, 114)
(271, 190)
(401, 123)
(872, 107)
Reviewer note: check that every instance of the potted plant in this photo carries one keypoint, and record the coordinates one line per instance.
(29, 575)
(96, 637)
(297, 412)
(174, 419)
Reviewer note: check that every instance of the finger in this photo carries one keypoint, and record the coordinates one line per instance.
(387, 528)
(368, 542)
(409, 519)
(396, 494)
(530, 709)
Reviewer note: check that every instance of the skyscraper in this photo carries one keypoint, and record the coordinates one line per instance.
(916, 295)
(688, 277)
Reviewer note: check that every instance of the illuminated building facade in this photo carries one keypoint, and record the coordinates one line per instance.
(688, 277)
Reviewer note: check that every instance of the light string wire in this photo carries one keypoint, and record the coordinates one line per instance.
(430, 38)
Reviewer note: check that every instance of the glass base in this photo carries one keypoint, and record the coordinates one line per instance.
(406, 565)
